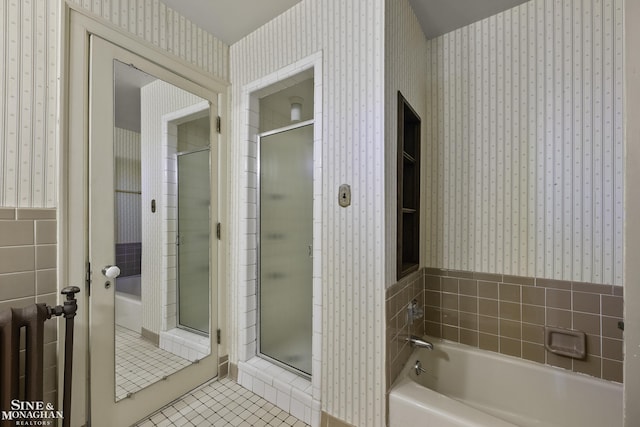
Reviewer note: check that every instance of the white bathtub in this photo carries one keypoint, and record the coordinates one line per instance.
(465, 386)
(128, 304)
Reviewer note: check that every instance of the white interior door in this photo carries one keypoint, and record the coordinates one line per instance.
(105, 409)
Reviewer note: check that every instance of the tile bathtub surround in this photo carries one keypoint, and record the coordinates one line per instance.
(398, 298)
(28, 271)
(507, 314)
(129, 258)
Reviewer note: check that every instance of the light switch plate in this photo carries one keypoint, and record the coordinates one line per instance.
(344, 195)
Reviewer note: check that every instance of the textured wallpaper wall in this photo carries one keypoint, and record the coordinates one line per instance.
(405, 65)
(29, 31)
(128, 186)
(28, 90)
(525, 143)
(350, 35)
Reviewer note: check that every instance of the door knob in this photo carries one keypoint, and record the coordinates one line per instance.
(111, 271)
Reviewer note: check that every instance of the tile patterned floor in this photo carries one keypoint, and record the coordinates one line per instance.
(140, 363)
(221, 403)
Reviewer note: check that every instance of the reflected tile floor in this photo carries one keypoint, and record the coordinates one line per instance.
(221, 403)
(140, 363)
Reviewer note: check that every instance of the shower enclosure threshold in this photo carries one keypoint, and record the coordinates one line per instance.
(284, 366)
(281, 387)
(184, 343)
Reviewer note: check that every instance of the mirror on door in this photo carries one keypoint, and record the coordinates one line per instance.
(162, 229)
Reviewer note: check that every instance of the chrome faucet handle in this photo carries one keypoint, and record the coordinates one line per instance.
(418, 368)
(414, 312)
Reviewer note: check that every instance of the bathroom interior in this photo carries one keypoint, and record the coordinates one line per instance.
(349, 214)
(182, 335)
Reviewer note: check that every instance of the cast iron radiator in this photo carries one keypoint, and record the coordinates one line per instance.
(32, 319)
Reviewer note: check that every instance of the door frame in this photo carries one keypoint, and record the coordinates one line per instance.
(170, 122)
(73, 110)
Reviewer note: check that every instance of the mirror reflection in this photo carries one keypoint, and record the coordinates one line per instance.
(162, 198)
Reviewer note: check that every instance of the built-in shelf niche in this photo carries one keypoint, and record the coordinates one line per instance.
(408, 245)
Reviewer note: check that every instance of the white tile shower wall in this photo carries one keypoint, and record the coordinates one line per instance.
(29, 31)
(525, 143)
(169, 149)
(405, 62)
(185, 344)
(287, 391)
(351, 38)
(247, 303)
(158, 99)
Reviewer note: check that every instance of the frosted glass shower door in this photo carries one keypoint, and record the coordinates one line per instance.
(286, 218)
(193, 240)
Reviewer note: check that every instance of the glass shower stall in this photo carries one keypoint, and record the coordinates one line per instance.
(285, 247)
(194, 193)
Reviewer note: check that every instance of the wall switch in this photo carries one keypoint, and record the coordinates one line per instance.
(344, 195)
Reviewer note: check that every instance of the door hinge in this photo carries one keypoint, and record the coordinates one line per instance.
(218, 124)
(218, 336)
(218, 231)
(87, 278)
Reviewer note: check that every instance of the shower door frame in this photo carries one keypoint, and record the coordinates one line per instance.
(178, 324)
(258, 250)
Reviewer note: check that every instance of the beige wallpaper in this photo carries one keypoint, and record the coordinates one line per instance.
(161, 26)
(28, 90)
(350, 35)
(405, 65)
(525, 143)
(128, 186)
(29, 31)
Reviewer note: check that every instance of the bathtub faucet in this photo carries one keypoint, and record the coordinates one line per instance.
(418, 342)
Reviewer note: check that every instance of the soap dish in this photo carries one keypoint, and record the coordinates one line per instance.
(565, 342)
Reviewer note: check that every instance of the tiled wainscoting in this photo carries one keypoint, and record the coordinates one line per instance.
(129, 258)
(507, 314)
(28, 272)
(398, 298)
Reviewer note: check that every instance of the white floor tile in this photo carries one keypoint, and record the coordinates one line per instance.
(238, 408)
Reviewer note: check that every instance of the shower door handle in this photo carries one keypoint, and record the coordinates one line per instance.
(310, 251)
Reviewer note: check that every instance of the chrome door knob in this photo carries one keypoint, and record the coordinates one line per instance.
(111, 271)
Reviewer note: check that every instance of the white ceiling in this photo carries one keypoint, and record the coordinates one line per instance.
(231, 20)
(126, 86)
(439, 17)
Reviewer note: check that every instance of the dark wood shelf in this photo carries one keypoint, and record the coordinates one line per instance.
(408, 243)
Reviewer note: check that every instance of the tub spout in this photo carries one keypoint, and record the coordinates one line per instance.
(418, 342)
